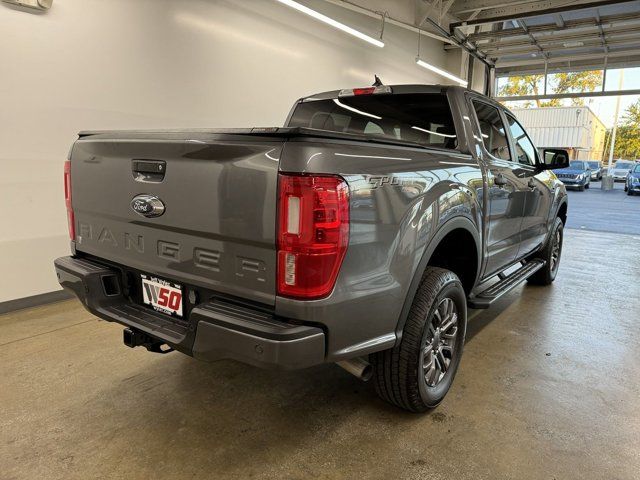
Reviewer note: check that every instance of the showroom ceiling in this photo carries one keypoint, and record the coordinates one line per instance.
(524, 36)
(563, 38)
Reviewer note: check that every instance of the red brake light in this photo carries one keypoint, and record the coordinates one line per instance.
(313, 234)
(67, 200)
(350, 92)
(364, 91)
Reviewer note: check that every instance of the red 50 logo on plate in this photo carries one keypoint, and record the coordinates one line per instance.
(162, 295)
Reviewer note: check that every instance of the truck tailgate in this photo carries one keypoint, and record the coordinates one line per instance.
(219, 192)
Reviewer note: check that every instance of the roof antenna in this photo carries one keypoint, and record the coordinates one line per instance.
(377, 82)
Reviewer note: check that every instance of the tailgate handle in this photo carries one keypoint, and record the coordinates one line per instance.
(149, 170)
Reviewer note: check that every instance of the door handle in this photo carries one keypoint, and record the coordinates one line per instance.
(500, 180)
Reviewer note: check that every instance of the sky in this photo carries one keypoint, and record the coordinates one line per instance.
(604, 107)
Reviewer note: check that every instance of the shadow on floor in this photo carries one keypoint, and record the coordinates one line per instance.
(225, 413)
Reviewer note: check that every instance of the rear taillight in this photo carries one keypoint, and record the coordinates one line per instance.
(67, 200)
(313, 234)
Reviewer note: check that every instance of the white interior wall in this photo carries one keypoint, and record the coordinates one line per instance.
(457, 62)
(118, 64)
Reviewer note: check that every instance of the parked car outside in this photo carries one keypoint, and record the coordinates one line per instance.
(621, 170)
(596, 170)
(633, 180)
(577, 175)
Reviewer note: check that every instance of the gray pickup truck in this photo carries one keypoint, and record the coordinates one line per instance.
(358, 234)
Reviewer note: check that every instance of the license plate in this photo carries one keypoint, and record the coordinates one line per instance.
(162, 295)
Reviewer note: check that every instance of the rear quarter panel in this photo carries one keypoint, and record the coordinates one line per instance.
(399, 198)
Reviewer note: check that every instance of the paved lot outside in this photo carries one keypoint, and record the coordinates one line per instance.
(610, 211)
(547, 389)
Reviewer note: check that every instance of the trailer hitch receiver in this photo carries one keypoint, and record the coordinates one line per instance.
(135, 338)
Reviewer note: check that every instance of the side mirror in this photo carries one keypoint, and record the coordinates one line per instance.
(554, 158)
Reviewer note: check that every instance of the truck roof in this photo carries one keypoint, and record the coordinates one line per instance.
(395, 89)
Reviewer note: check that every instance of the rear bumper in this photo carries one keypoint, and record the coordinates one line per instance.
(214, 329)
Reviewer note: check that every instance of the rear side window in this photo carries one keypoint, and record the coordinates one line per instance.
(494, 135)
(423, 118)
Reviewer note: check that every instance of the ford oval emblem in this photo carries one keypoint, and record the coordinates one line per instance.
(147, 205)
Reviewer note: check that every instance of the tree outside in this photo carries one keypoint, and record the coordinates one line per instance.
(632, 115)
(572, 82)
(628, 136)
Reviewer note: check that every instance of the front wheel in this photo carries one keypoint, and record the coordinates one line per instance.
(417, 374)
(551, 254)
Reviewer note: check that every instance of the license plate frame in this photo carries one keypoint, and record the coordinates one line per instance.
(164, 296)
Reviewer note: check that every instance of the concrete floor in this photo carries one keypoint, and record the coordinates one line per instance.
(548, 389)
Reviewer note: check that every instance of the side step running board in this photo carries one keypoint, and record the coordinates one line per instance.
(506, 284)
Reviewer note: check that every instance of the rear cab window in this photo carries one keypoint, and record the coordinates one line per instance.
(423, 118)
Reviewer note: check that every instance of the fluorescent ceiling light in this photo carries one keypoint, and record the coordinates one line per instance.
(332, 22)
(347, 107)
(434, 133)
(441, 72)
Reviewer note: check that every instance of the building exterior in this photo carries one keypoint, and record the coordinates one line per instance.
(576, 129)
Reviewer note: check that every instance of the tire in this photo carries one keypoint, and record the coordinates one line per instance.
(547, 274)
(402, 374)
(587, 185)
(630, 193)
(626, 189)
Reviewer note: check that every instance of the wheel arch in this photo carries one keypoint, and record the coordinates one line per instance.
(562, 211)
(460, 229)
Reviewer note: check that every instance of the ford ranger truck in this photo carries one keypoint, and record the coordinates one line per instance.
(359, 233)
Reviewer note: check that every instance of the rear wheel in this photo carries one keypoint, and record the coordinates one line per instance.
(417, 374)
(551, 253)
